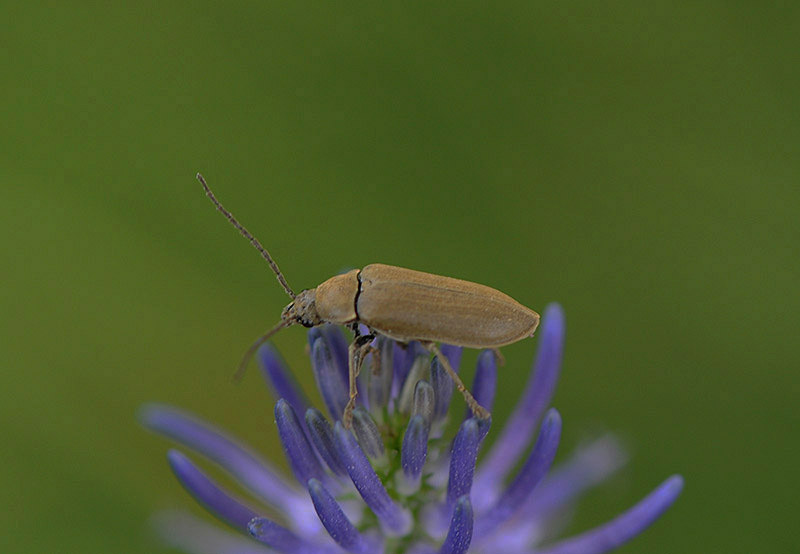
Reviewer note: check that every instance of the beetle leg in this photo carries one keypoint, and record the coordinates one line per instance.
(376, 359)
(498, 356)
(362, 348)
(355, 358)
(363, 344)
(477, 409)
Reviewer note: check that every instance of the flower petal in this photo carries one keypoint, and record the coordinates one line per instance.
(531, 473)
(254, 473)
(330, 382)
(338, 345)
(463, 456)
(625, 526)
(301, 455)
(395, 520)
(420, 370)
(188, 533)
(216, 500)
(462, 462)
(268, 532)
(281, 381)
(535, 399)
(379, 374)
(459, 536)
(404, 358)
(588, 466)
(369, 436)
(442, 389)
(336, 523)
(424, 402)
(453, 354)
(321, 433)
(544, 514)
(413, 454)
(484, 384)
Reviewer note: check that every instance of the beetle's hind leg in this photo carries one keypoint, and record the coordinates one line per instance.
(477, 409)
(498, 356)
(358, 349)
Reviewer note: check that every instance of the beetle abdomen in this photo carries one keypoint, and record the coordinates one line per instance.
(405, 305)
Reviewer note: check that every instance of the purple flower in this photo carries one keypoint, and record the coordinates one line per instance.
(395, 483)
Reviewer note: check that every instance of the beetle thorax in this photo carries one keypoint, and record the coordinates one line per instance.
(303, 310)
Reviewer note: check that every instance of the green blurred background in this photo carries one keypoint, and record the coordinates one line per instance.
(637, 162)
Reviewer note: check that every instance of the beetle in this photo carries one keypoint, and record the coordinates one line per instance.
(402, 304)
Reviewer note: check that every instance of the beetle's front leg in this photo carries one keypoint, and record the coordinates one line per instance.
(355, 358)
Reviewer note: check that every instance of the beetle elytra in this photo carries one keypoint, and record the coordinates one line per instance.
(402, 304)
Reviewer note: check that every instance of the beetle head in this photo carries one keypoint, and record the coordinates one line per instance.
(303, 310)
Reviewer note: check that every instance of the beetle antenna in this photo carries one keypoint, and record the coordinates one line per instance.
(253, 240)
(240, 371)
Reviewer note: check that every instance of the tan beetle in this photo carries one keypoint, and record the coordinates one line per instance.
(403, 305)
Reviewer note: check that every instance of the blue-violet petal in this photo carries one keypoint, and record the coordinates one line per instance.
(394, 519)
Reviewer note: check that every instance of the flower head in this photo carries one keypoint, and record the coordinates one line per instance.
(395, 482)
